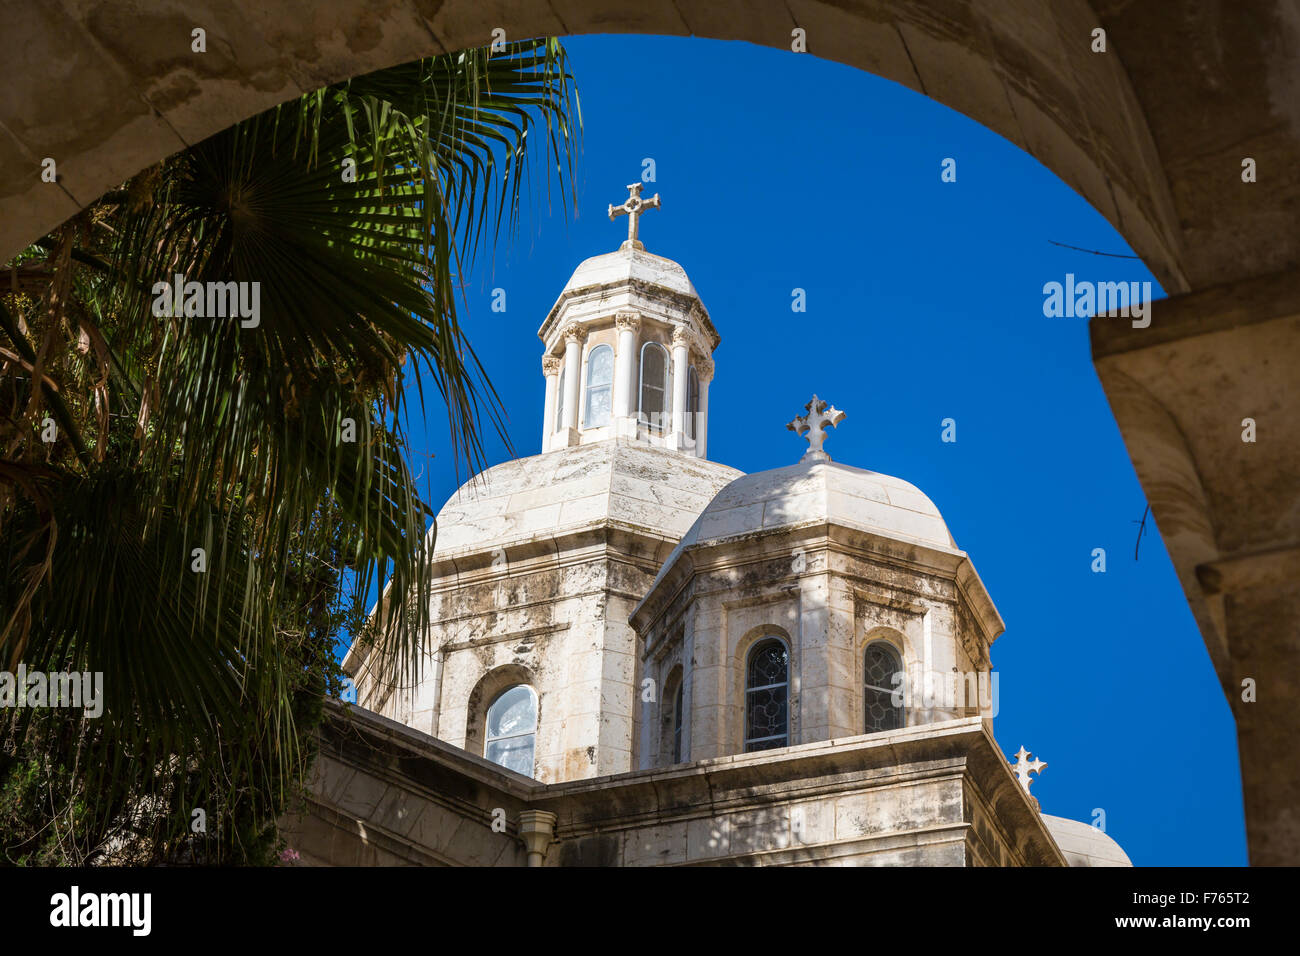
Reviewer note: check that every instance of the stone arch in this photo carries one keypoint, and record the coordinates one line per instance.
(132, 92)
(892, 636)
(753, 636)
(489, 686)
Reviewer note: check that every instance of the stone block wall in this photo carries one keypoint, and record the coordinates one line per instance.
(936, 795)
(827, 592)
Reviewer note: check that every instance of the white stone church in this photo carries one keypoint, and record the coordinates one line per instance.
(644, 657)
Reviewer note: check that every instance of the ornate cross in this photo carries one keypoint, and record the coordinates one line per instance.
(633, 208)
(812, 426)
(1024, 767)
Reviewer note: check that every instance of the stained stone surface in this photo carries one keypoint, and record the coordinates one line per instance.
(613, 482)
(631, 265)
(537, 566)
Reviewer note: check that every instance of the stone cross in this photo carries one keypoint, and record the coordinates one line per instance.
(633, 208)
(1024, 767)
(812, 426)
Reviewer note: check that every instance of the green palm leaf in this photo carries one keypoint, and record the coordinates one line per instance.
(355, 210)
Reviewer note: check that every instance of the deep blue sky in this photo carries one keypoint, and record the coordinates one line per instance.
(925, 302)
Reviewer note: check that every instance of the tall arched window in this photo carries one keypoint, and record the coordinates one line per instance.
(880, 665)
(767, 685)
(654, 408)
(512, 729)
(692, 401)
(600, 380)
(559, 403)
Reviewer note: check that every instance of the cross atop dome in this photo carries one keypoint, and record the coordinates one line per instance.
(812, 426)
(633, 208)
(1023, 767)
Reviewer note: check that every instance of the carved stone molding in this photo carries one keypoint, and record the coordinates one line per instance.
(551, 364)
(627, 321)
(573, 332)
(704, 369)
(681, 336)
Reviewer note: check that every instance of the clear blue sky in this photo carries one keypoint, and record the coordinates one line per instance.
(925, 302)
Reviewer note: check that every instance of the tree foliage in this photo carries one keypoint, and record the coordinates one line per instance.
(182, 436)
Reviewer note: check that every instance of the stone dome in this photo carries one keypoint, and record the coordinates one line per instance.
(637, 486)
(1084, 844)
(820, 492)
(623, 265)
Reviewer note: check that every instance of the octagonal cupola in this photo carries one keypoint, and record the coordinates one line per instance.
(628, 349)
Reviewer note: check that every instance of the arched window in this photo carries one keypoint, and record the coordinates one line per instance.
(692, 401)
(677, 724)
(767, 684)
(559, 403)
(512, 729)
(600, 380)
(880, 665)
(654, 408)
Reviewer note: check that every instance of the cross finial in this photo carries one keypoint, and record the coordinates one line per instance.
(1024, 767)
(812, 426)
(633, 208)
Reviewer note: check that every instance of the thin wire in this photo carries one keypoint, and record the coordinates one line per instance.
(1113, 255)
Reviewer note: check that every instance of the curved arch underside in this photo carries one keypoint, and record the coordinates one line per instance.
(1151, 133)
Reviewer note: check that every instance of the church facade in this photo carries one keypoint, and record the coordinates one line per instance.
(643, 657)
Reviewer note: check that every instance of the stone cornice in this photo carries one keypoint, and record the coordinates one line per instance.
(958, 756)
(913, 555)
(688, 305)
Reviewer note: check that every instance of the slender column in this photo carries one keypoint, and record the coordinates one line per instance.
(681, 353)
(551, 369)
(574, 336)
(705, 372)
(625, 364)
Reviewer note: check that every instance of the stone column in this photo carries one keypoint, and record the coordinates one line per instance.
(551, 369)
(681, 357)
(625, 365)
(574, 336)
(705, 372)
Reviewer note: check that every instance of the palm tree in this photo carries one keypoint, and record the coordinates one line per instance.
(192, 504)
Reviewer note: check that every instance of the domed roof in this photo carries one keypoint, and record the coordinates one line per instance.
(818, 492)
(612, 482)
(625, 264)
(1084, 844)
